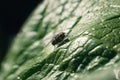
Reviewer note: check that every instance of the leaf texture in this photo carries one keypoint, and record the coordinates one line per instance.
(93, 29)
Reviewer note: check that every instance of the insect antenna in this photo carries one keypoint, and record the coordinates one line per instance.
(47, 43)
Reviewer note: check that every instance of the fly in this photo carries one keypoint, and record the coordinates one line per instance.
(59, 39)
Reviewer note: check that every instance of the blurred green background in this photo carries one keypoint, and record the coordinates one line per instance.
(13, 13)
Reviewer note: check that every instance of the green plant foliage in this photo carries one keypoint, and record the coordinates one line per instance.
(92, 52)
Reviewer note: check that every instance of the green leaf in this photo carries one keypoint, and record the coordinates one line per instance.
(92, 53)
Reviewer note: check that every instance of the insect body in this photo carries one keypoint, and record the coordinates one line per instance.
(58, 38)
